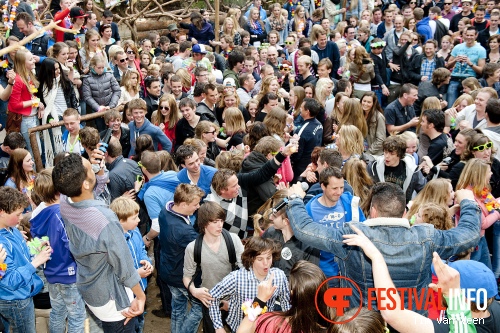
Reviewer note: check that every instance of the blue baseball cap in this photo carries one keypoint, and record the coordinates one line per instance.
(199, 48)
(475, 275)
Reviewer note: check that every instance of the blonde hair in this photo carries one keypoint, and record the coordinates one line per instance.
(235, 123)
(229, 35)
(474, 175)
(435, 191)
(357, 176)
(436, 215)
(353, 115)
(321, 88)
(20, 68)
(185, 77)
(472, 83)
(352, 140)
(90, 33)
(266, 83)
(275, 121)
(125, 82)
(124, 208)
(463, 97)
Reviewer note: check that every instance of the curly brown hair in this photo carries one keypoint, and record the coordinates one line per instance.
(12, 200)
(257, 246)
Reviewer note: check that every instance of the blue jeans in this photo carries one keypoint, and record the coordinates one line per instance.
(453, 90)
(482, 254)
(183, 321)
(67, 303)
(118, 327)
(139, 327)
(26, 124)
(495, 259)
(20, 314)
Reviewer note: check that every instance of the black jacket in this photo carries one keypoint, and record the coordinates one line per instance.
(416, 65)
(124, 140)
(380, 65)
(400, 58)
(483, 37)
(257, 194)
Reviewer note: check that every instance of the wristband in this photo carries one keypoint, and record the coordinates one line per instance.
(262, 304)
(252, 310)
(10, 84)
(280, 157)
(146, 236)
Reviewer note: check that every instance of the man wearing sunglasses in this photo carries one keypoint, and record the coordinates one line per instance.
(121, 65)
(448, 11)
(492, 129)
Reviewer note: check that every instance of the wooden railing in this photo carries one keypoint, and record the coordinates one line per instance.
(34, 142)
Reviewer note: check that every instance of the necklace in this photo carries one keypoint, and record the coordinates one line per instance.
(8, 18)
(293, 6)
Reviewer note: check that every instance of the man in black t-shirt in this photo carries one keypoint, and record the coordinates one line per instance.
(432, 126)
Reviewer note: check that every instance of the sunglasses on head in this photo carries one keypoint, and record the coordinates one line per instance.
(487, 145)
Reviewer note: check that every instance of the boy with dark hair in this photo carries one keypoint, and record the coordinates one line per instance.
(310, 135)
(11, 142)
(397, 167)
(176, 232)
(19, 282)
(127, 211)
(432, 125)
(257, 259)
(60, 270)
(105, 266)
(193, 172)
(215, 259)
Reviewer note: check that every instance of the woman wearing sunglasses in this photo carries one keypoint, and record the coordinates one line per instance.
(167, 116)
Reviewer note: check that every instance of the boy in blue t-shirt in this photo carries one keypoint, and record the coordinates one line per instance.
(20, 282)
(127, 211)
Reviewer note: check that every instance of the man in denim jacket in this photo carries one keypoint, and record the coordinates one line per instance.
(407, 250)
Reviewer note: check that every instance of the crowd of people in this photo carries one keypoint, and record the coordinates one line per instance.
(241, 168)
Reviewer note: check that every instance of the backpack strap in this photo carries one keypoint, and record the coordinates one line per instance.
(198, 243)
(231, 251)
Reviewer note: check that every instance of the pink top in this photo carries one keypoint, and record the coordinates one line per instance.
(487, 218)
